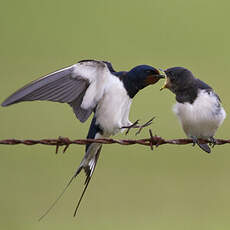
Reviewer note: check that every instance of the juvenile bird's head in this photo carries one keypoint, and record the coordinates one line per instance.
(178, 79)
(139, 77)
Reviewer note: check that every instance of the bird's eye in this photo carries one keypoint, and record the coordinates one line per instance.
(148, 71)
(172, 77)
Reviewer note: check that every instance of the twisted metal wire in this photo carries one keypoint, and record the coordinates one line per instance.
(150, 141)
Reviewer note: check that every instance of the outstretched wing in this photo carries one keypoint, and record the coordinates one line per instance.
(80, 85)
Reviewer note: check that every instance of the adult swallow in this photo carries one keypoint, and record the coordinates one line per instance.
(91, 86)
(198, 107)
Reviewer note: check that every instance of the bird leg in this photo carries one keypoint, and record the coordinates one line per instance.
(194, 140)
(136, 125)
(204, 146)
(213, 141)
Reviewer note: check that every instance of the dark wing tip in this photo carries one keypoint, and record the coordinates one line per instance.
(7, 102)
(12, 99)
(4, 104)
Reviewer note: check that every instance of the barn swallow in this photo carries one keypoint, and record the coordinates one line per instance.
(91, 86)
(198, 107)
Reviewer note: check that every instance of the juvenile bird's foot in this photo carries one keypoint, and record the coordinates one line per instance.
(213, 141)
(136, 125)
(194, 140)
(204, 147)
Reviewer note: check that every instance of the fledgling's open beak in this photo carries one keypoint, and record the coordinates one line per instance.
(167, 82)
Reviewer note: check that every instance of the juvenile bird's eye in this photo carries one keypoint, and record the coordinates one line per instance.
(172, 77)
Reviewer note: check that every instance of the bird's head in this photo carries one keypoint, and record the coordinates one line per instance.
(178, 79)
(144, 75)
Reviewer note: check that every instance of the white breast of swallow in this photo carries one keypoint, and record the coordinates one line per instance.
(202, 118)
(113, 109)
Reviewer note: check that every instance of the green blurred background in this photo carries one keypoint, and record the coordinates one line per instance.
(173, 187)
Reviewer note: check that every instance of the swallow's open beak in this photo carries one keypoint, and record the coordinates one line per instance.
(154, 78)
(167, 82)
(162, 73)
(159, 76)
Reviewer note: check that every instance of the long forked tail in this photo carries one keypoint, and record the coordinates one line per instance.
(89, 170)
(60, 195)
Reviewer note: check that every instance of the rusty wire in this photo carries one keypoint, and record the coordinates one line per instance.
(150, 141)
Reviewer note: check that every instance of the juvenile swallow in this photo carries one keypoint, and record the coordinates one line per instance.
(198, 107)
(91, 86)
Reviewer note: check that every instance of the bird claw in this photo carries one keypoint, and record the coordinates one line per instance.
(212, 142)
(194, 141)
(204, 146)
(144, 125)
(136, 125)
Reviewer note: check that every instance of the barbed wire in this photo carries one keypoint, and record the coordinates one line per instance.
(151, 141)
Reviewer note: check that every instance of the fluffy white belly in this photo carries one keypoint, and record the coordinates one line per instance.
(113, 110)
(202, 118)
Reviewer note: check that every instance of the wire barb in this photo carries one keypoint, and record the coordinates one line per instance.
(151, 139)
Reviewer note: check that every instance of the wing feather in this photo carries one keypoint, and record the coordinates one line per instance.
(81, 114)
